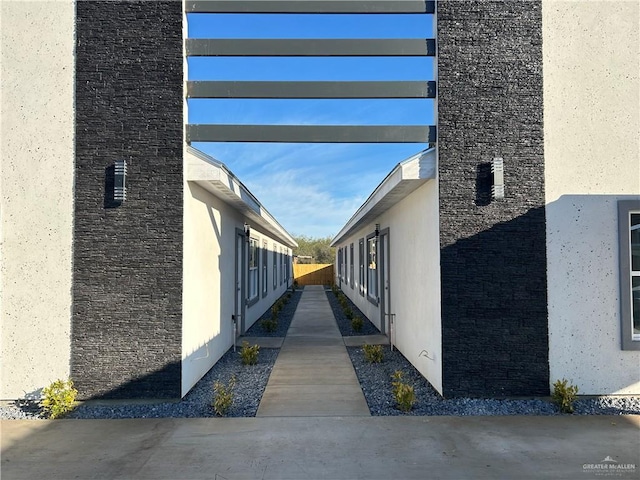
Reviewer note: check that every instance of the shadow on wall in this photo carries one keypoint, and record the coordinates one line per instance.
(494, 310)
(484, 182)
(313, 274)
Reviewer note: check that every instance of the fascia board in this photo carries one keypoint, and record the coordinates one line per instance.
(408, 174)
(217, 179)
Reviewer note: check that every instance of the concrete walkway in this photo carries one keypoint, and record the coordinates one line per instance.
(372, 448)
(313, 375)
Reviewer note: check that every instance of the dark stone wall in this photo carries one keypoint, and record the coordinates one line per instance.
(126, 330)
(493, 253)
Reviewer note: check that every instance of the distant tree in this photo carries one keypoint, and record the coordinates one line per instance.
(317, 248)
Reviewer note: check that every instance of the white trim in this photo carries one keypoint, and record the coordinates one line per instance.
(406, 177)
(216, 178)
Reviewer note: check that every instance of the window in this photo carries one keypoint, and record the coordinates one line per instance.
(372, 269)
(253, 269)
(344, 265)
(287, 266)
(264, 268)
(275, 266)
(629, 233)
(351, 279)
(281, 265)
(361, 262)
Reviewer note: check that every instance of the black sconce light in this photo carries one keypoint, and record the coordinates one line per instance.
(247, 231)
(119, 181)
(377, 232)
(497, 187)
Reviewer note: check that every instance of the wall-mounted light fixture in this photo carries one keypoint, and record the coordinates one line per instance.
(377, 232)
(119, 181)
(497, 187)
(247, 230)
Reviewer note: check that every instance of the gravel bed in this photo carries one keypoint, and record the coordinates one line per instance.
(375, 380)
(284, 318)
(344, 324)
(250, 384)
(251, 380)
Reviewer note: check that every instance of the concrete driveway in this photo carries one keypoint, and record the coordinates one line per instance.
(567, 447)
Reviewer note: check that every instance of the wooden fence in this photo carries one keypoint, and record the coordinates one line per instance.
(313, 274)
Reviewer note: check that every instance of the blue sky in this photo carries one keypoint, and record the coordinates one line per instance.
(312, 189)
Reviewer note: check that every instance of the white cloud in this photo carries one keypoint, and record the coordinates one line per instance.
(302, 207)
(311, 189)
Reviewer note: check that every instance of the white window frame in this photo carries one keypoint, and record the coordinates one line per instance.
(372, 268)
(361, 252)
(281, 265)
(275, 266)
(351, 269)
(265, 268)
(253, 278)
(629, 296)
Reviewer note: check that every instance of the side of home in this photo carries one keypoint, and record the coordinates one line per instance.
(502, 296)
(131, 299)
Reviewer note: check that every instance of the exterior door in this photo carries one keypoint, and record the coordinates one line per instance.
(384, 283)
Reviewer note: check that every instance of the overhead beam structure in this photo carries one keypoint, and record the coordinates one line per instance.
(296, 47)
(311, 133)
(307, 89)
(309, 6)
(310, 47)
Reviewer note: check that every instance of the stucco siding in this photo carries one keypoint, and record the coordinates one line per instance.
(414, 279)
(592, 131)
(210, 227)
(36, 174)
(209, 230)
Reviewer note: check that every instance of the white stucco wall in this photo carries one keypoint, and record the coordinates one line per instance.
(36, 190)
(414, 279)
(592, 130)
(209, 281)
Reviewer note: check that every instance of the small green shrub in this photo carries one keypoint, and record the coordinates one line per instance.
(357, 323)
(275, 310)
(348, 313)
(269, 325)
(373, 353)
(403, 393)
(58, 398)
(223, 396)
(249, 353)
(564, 395)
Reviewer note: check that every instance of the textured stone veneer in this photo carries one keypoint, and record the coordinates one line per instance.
(493, 263)
(126, 332)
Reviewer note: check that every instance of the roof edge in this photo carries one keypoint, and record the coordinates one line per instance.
(420, 167)
(244, 194)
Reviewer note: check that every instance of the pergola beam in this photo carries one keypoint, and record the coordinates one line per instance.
(311, 133)
(309, 89)
(199, 47)
(309, 6)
